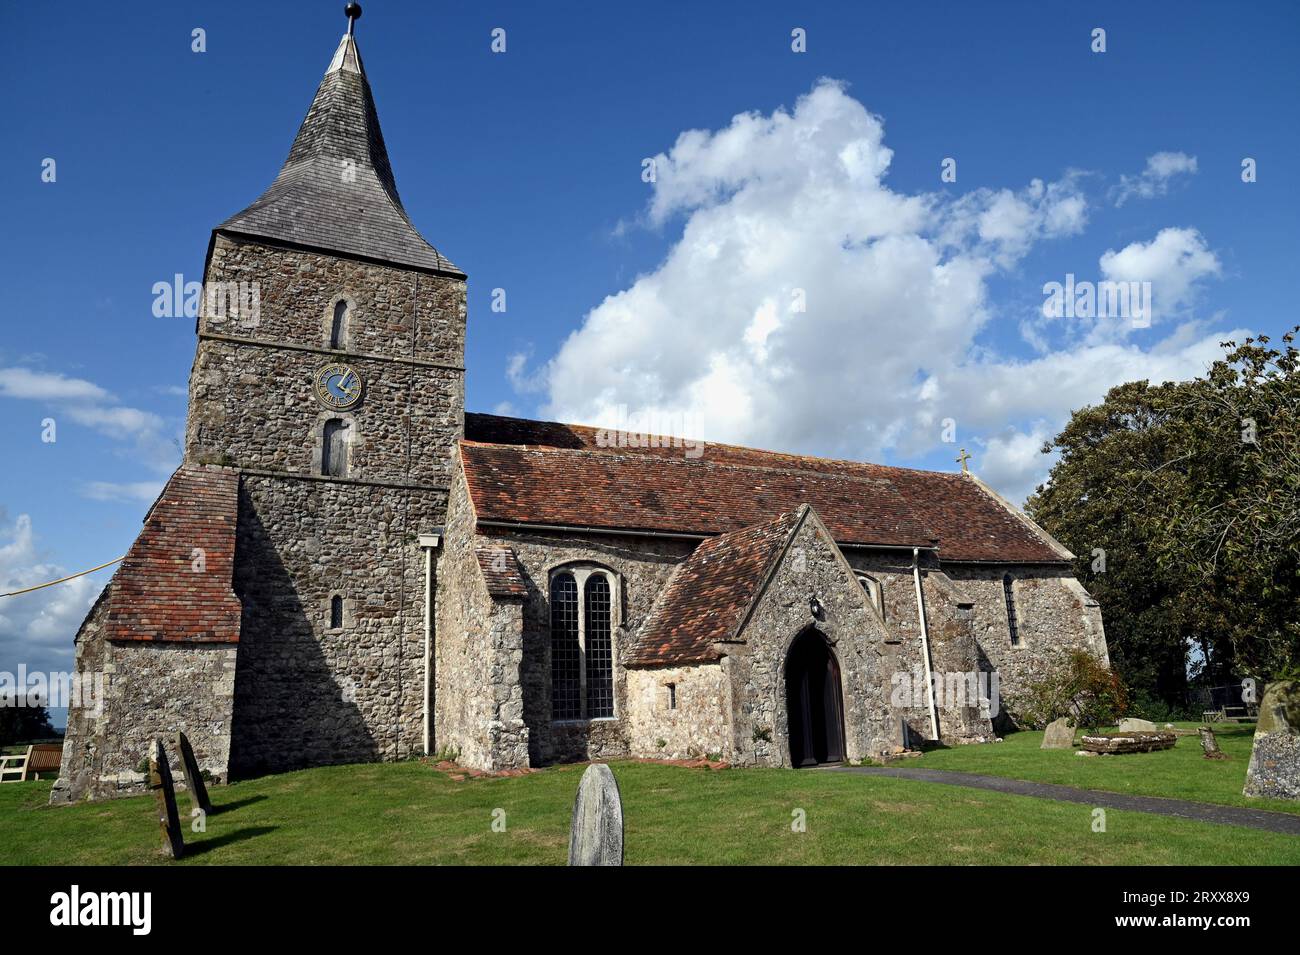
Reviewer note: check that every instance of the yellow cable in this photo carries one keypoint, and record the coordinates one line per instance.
(51, 583)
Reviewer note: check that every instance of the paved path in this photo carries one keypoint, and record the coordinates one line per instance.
(1282, 822)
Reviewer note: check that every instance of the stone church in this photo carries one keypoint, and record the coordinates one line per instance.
(348, 566)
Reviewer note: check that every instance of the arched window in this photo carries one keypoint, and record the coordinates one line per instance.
(582, 644)
(566, 656)
(1008, 594)
(600, 650)
(334, 448)
(336, 612)
(339, 325)
(874, 591)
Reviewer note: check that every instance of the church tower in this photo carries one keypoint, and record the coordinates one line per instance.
(329, 372)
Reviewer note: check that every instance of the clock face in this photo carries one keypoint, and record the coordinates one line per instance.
(338, 387)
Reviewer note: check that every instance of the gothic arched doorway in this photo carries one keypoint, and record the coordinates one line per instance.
(814, 703)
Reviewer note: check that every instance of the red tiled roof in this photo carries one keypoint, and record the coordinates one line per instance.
(163, 591)
(541, 472)
(710, 593)
(501, 571)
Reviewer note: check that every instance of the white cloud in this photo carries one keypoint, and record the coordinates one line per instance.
(37, 628)
(1173, 262)
(807, 306)
(1155, 178)
(85, 403)
(1012, 460)
(19, 382)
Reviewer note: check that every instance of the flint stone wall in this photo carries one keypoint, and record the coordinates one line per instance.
(150, 690)
(700, 724)
(478, 696)
(306, 694)
(755, 668)
(252, 402)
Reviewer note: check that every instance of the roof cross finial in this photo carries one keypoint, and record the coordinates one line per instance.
(962, 459)
(353, 13)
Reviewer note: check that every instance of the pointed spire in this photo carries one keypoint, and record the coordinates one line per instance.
(336, 191)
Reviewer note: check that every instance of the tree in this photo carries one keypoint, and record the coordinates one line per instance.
(21, 723)
(1182, 501)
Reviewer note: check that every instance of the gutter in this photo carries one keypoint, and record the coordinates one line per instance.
(429, 543)
(925, 644)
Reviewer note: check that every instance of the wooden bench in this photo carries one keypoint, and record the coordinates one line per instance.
(39, 758)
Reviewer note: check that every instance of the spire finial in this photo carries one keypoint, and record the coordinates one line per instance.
(353, 12)
(962, 461)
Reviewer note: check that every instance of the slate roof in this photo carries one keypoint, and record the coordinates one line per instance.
(543, 472)
(501, 571)
(159, 592)
(711, 592)
(336, 190)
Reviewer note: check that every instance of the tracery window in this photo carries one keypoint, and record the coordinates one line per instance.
(582, 644)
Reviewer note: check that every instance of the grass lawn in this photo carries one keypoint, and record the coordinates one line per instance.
(1179, 773)
(410, 813)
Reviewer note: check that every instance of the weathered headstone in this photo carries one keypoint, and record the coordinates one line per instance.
(164, 794)
(193, 775)
(1059, 734)
(596, 830)
(1275, 756)
(1134, 725)
(1210, 744)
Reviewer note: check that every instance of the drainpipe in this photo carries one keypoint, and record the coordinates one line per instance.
(429, 543)
(925, 643)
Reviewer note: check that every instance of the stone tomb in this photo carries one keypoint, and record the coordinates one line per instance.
(596, 830)
(164, 794)
(1130, 742)
(193, 775)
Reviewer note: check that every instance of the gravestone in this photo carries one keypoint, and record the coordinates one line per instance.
(1133, 725)
(596, 830)
(1210, 744)
(1275, 756)
(1059, 734)
(193, 775)
(164, 794)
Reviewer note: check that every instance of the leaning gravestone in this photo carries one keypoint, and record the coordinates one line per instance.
(1210, 744)
(1059, 734)
(193, 775)
(164, 794)
(1134, 725)
(1275, 756)
(596, 830)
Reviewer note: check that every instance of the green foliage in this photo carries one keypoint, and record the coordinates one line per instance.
(1147, 706)
(23, 724)
(1192, 490)
(1080, 687)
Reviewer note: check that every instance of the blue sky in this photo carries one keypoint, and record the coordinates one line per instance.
(525, 168)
